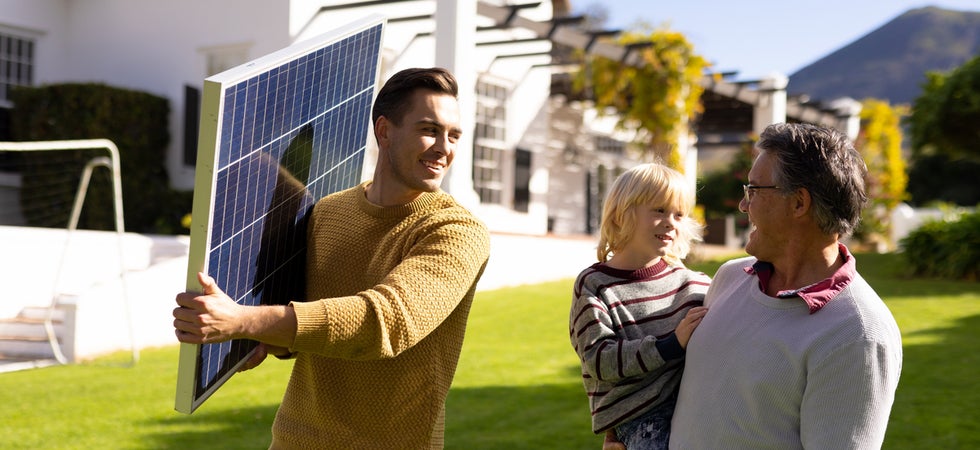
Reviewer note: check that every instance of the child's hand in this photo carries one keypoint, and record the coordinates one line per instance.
(689, 323)
(611, 442)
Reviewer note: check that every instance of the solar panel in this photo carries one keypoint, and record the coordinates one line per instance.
(277, 134)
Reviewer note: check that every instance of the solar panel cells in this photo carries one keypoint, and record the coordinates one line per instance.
(284, 131)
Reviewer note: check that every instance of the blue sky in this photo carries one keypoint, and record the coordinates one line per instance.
(758, 37)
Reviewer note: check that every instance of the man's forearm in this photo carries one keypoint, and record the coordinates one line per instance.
(271, 324)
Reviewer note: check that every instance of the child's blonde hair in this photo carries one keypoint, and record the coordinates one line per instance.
(647, 184)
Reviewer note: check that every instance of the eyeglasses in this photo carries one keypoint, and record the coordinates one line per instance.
(750, 190)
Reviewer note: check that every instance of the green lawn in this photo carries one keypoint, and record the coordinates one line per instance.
(517, 385)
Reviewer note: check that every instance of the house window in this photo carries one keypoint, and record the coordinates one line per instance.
(597, 187)
(598, 182)
(192, 120)
(609, 145)
(16, 64)
(522, 180)
(489, 151)
(487, 173)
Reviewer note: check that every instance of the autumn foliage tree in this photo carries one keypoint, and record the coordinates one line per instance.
(657, 96)
(880, 143)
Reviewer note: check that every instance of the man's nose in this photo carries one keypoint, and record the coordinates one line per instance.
(743, 205)
(444, 145)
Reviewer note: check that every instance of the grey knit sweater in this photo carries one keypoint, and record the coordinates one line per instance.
(765, 373)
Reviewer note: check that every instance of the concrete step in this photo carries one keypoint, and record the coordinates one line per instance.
(23, 338)
(41, 312)
(12, 364)
(28, 329)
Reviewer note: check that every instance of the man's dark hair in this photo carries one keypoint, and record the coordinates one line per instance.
(392, 100)
(824, 162)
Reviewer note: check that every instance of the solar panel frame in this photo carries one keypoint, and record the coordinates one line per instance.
(277, 134)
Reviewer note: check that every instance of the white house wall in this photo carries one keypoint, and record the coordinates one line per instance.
(576, 161)
(569, 166)
(529, 79)
(152, 46)
(47, 22)
(159, 47)
(527, 129)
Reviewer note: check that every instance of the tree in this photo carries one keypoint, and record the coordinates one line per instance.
(657, 97)
(880, 143)
(945, 137)
(945, 116)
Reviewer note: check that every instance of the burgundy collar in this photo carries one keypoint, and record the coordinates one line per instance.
(817, 294)
(637, 274)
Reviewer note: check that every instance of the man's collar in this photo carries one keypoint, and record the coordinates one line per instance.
(816, 295)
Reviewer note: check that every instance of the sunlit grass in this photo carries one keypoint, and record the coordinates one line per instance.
(517, 386)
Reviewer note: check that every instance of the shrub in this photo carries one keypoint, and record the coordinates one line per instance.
(135, 121)
(945, 249)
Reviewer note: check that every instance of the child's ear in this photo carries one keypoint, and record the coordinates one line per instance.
(613, 218)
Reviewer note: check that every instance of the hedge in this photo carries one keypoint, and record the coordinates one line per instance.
(136, 122)
(945, 249)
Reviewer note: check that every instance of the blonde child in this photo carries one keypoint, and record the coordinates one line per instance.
(633, 312)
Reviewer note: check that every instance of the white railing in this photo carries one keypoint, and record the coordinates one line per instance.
(110, 162)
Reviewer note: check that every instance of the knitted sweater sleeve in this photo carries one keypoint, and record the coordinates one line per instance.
(848, 397)
(850, 391)
(436, 267)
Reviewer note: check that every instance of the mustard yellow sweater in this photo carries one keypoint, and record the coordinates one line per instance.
(377, 351)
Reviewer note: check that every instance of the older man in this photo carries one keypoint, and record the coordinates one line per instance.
(797, 350)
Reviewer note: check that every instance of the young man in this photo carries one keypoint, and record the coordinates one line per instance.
(797, 350)
(391, 272)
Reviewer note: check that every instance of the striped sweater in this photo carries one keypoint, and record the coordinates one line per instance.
(622, 324)
(378, 343)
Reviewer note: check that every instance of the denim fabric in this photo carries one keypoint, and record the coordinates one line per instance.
(651, 431)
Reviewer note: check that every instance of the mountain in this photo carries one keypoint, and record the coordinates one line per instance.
(890, 63)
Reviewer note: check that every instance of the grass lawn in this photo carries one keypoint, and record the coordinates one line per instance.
(517, 385)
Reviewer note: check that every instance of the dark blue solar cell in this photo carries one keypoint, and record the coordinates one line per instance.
(268, 107)
(237, 124)
(249, 110)
(261, 88)
(220, 194)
